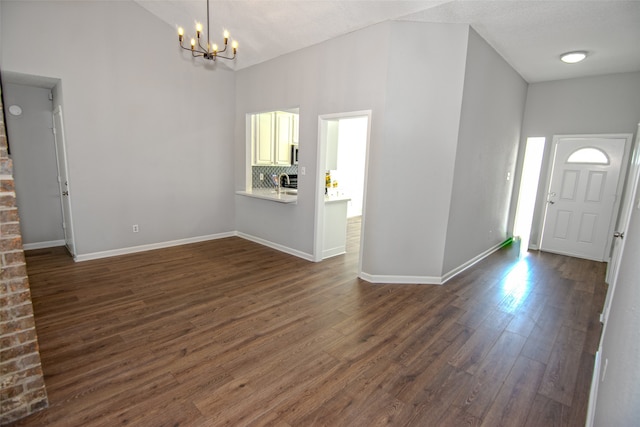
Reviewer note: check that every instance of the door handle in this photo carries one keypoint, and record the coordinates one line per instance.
(550, 198)
(619, 234)
(65, 193)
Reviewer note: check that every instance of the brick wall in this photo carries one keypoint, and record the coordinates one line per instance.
(22, 390)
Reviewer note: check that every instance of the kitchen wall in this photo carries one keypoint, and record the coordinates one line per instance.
(421, 125)
(335, 76)
(590, 105)
(157, 151)
(492, 111)
(35, 165)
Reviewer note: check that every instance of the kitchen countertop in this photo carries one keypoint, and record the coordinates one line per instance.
(287, 195)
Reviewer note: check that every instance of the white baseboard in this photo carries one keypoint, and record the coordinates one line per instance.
(277, 246)
(152, 246)
(474, 260)
(401, 280)
(43, 245)
(431, 280)
(328, 253)
(593, 392)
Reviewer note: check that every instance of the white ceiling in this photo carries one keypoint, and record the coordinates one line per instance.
(530, 35)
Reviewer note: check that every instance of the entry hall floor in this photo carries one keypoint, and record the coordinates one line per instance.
(229, 332)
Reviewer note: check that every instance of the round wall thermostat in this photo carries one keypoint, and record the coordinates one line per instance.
(15, 110)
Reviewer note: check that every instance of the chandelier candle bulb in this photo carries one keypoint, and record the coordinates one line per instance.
(210, 50)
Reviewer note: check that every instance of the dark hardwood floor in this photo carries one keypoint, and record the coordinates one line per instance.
(229, 332)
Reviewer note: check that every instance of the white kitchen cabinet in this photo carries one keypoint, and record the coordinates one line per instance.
(284, 139)
(334, 239)
(262, 136)
(272, 134)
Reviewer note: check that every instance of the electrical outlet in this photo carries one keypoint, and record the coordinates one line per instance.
(135, 228)
(303, 170)
(261, 177)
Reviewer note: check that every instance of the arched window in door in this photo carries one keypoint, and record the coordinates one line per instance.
(589, 155)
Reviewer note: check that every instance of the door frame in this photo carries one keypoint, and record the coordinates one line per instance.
(62, 164)
(320, 182)
(627, 207)
(621, 180)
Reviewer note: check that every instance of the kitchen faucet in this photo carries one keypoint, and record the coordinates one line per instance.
(280, 180)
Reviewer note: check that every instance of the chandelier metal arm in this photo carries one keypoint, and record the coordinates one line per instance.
(208, 52)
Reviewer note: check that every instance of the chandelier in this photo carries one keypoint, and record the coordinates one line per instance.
(210, 51)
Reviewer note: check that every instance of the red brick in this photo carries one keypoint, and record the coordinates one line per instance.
(13, 271)
(7, 200)
(17, 338)
(17, 352)
(12, 313)
(10, 229)
(10, 244)
(20, 284)
(7, 185)
(9, 215)
(6, 166)
(18, 325)
(12, 258)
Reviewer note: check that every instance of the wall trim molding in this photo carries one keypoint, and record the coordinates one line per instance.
(432, 280)
(277, 246)
(475, 260)
(43, 245)
(401, 280)
(152, 246)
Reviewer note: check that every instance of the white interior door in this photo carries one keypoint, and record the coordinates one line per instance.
(582, 200)
(63, 180)
(628, 204)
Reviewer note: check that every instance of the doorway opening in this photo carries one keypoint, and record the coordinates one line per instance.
(342, 167)
(529, 180)
(40, 168)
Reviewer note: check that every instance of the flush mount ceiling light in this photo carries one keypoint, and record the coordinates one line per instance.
(210, 51)
(573, 57)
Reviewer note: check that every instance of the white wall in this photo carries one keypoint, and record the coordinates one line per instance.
(34, 163)
(405, 226)
(619, 393)
(492, 110)
(331, 77)
(149, 133)
(590, 105)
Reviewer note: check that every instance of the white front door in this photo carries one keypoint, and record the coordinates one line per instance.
(63, 180)
(582, 199)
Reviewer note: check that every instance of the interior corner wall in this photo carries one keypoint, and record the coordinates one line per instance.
(344, 74)
(492, 113)
(588, 105)
(147, 143)
(411, 177)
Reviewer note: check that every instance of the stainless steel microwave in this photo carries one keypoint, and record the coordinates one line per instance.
(294, 154)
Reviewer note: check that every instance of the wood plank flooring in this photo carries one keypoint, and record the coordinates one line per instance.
(229, 332)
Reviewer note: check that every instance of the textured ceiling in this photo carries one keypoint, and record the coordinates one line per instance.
(530, 35)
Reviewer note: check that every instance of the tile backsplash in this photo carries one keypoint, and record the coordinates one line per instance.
(268, 171)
